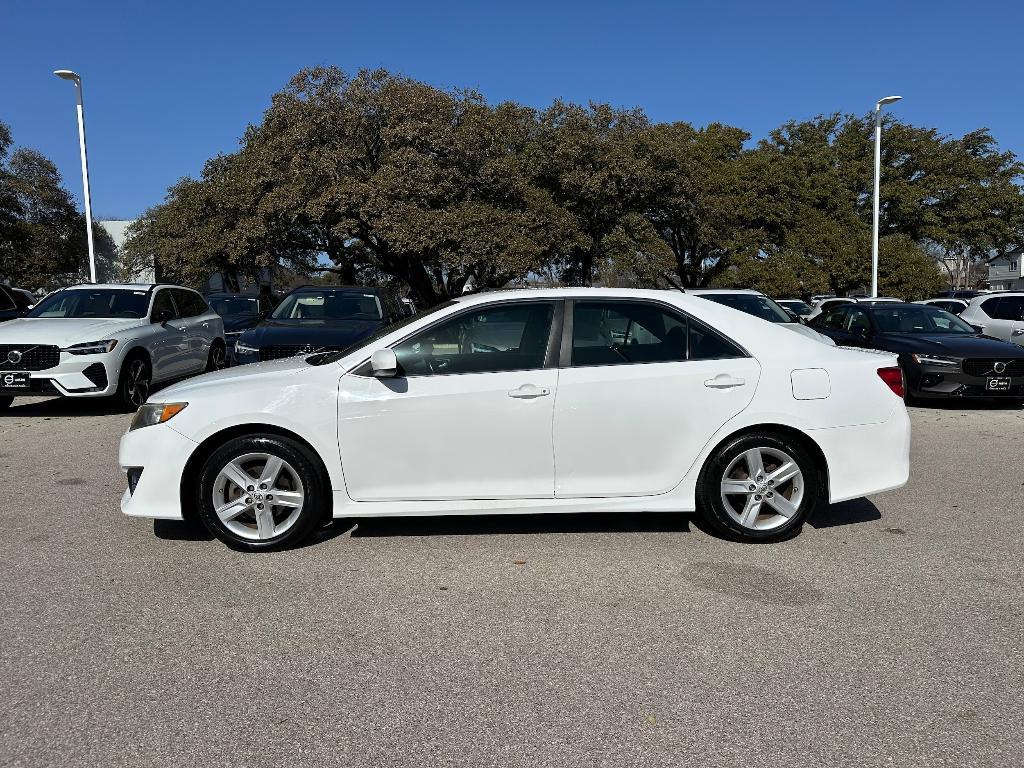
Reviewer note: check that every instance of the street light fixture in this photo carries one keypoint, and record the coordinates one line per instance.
(67, 74)
(878, 174)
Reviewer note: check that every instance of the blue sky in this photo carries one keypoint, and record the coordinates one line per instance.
(168, 85)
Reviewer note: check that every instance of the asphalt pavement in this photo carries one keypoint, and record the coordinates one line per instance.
(890, 632)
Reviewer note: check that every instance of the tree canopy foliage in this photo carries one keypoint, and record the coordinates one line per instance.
(42, 234)
(380, 178)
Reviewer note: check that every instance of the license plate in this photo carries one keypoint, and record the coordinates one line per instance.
(997, 383)
(15, 380)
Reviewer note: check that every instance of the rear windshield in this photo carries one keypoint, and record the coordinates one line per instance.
(329, 305)
(758, 306)
(797, 306)
(98, 302)
(234, 306)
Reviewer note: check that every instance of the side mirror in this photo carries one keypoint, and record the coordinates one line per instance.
(384, 363)
(163, 316)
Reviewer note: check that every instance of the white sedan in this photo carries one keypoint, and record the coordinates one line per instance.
(562, 400)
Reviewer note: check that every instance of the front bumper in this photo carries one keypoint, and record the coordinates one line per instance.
(161, 453)
(73, 376)
(943, 382)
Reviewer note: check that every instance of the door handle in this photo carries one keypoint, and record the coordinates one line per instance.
(528, 392)
(723, 381)
(206, 325)
(1018, 331)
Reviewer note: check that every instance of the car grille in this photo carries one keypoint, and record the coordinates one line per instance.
(986, 367)
(291, 350)
(27, 357)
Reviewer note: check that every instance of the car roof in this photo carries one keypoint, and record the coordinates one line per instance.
(889, 305)
(119, 286)
(315, 288)
(725, 291)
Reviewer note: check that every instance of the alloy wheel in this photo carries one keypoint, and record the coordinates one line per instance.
(216, 358)
(137, 387)
(762, 488)
(258, 496)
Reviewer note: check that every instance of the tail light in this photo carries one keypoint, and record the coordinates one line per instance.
(893, 377)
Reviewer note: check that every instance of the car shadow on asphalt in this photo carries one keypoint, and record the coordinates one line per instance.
(65, 406)
(193, 530)
(844, 513)
(487, 525)
(965, 404)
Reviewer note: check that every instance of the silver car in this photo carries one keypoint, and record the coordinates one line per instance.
(109, 341)
(1001, 315)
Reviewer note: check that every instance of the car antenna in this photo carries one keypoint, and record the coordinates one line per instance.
(672, 282)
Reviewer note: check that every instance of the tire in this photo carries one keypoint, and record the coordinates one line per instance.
(245, 513)
(758, 510)
(134, 383)
(216, 359)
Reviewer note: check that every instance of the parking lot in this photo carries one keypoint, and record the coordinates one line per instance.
(888, 632)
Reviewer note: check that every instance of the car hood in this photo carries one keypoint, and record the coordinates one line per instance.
(228, 378)
(239, 323)
(63, 331)
(810, 333)
(950, 345)
(316, 333)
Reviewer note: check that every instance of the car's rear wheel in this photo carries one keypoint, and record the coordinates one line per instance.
(759, 487)
(215, 360)
(261, 492)
(134, 384)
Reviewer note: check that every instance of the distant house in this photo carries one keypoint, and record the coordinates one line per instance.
(1004, 272)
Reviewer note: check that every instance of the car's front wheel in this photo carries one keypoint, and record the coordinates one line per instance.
(759, 487)
(261, 492)
(134, 384)
(215, 360)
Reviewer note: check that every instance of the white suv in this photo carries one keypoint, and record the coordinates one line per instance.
(999, 314)
(109, 340)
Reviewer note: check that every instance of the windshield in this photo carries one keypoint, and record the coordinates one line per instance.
(234, 306)
(752, 304)
(797, 306)
(931, 320)
(323, 358)
(98, 302)
(329, 305)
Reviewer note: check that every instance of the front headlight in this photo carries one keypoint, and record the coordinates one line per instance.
(91, 347)
(155, 413)
(934, 360)
(245, 349)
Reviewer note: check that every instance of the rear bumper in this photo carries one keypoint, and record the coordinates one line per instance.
(868, 458)
(161, 454)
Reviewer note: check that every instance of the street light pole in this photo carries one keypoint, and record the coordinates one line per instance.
(878, 175)
(67, 74)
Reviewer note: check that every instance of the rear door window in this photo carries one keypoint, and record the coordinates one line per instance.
(1004, 308)
(624, 333)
